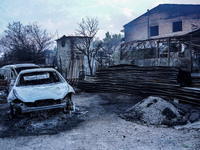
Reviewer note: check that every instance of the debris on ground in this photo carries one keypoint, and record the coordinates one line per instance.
(94, 125)
(37, 123)
(158, 111)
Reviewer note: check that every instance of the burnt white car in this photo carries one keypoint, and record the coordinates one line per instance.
(40, 89)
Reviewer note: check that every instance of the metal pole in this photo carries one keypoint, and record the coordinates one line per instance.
(148, 20)
(168, 55)
(190, 48)
(157, 50)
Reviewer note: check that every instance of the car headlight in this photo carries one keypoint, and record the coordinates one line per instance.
(17, 95)
(67, 98)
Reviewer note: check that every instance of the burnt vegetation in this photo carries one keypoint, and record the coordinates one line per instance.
(24, 43)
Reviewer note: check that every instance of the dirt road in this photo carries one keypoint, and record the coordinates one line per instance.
(94, 125)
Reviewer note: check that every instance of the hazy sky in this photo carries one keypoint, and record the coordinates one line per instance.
(62, 16)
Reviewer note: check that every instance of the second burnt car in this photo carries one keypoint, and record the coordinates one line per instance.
(9, 73)
(40, 89)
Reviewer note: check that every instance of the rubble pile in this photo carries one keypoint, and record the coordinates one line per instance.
(157, 111)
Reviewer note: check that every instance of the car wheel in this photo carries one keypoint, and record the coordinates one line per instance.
(70, 107)
(13, 111)
(65, 111)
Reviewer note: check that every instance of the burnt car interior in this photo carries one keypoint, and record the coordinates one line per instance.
(38, 78)
(23, 68)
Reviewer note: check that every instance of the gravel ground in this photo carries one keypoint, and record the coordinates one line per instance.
(96, 125)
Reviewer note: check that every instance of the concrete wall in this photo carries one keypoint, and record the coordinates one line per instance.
(181, 63)
(63, 57)
(72, 63)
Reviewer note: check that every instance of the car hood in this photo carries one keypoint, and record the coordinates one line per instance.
(40, 92)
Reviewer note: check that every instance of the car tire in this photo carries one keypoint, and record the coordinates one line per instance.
(65, 111)
(70, 107)
(13, 111)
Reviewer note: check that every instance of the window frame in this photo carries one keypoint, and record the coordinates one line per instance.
(177, 26)
(154, 31)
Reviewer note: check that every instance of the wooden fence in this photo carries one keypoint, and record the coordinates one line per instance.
(73, 81)
(170, 82)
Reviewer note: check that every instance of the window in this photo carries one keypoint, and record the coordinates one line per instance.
(177, 26)
(63, 43)
(154, 31)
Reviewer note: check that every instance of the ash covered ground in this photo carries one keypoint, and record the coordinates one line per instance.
(97, 123)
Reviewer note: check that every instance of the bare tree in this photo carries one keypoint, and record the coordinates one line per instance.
(24, 43)
(87, 30)
(40, 40)
(14, 41)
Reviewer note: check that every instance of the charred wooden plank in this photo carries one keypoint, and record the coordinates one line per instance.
(130, 79)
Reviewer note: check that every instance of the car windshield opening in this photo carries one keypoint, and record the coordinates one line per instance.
(38, 78)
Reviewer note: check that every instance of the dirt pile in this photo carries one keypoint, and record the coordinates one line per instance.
(157, 111)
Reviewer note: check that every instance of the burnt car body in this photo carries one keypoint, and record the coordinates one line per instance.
(40, 89)
(16, 68)
(4, 82)
(11, 72)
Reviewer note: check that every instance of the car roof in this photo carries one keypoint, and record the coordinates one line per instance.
(37, 70)
(20, 65)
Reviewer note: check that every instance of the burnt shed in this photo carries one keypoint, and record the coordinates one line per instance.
(70, 61)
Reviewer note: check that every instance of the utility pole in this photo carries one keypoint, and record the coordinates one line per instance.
(148, 20)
